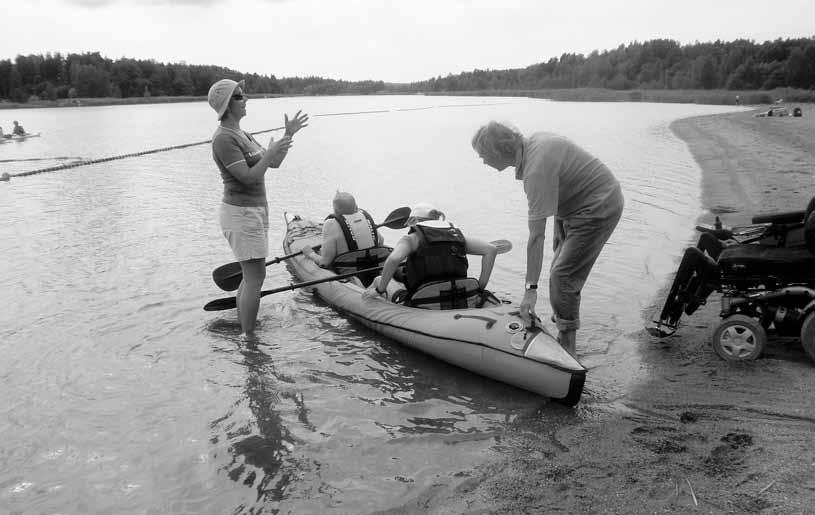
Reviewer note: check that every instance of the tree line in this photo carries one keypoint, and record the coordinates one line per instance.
(90, 75)
(657, 64)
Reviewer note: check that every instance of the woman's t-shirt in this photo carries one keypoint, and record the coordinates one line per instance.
(229, 149)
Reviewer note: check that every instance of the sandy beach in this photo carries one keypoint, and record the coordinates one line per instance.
(698, 434)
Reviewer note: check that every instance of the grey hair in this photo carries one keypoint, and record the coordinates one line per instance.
(344, 203)
(433, 214)
(497, 140)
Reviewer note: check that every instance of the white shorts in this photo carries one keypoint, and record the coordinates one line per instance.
(246, 228)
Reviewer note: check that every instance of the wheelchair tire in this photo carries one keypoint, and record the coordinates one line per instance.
(808, 335)
(739, 338)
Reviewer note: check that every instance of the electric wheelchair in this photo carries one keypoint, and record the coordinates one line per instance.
(765, 273)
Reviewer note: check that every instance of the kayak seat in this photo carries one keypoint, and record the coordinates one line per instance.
(459, 293)
(360, 260)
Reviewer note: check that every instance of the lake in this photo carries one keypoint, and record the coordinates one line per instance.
(121, 395)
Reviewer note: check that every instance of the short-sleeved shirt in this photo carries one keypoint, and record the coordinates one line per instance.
(561, 179)
(230, 148)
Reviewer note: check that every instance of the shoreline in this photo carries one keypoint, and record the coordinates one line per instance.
(748, 98)
(696, 433)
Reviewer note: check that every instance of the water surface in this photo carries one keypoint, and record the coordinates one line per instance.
(120, 395)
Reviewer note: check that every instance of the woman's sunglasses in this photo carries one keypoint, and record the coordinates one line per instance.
(239, 96)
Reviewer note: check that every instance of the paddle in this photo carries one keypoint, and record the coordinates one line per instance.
(232, 302)
(228, 277)
(503, 247)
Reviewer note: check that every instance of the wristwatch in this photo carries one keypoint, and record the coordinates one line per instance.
(531, 286)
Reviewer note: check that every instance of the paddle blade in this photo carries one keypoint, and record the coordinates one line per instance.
(222, 304)
(397, 218)
(228, 277)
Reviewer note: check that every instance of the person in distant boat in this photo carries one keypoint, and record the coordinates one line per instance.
(563, 181)
(244, 212)
(18, 129)
(433, 250)
(351, 240)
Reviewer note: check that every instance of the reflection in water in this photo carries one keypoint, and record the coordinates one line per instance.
(261, 447)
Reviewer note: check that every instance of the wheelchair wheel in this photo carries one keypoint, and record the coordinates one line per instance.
(739, 338)
(808, 335)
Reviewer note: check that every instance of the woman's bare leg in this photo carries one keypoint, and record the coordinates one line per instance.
(254, 273)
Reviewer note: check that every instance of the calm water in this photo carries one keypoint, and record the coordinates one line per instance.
(121, 395)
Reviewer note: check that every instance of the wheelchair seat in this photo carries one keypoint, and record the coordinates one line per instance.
(754, 264)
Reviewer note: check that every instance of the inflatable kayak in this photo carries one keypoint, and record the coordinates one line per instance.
(491, 341)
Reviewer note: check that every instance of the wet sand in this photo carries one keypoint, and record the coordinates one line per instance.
(697, 434)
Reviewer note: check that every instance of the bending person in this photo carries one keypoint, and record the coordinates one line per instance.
(349, 234)
(563, 181)
(433, 250)
(244, 212)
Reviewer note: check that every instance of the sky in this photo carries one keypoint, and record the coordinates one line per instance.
(389, 40)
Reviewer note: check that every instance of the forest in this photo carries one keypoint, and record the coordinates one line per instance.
(659, 64)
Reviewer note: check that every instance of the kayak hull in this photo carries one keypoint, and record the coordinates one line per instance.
(491, 341)
(8, 139)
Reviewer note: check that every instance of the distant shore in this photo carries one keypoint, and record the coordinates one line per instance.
(110, 101)
(708, 97)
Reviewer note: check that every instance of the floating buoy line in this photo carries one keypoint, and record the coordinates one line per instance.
(86, 162)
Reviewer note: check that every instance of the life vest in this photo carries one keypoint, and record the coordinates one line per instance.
(358, 228)
(441, 255)
(361, 238)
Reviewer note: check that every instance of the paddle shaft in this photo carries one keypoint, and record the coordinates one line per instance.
(228, 277)
(232, 302)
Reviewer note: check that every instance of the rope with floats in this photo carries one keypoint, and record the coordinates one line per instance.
(75, 164)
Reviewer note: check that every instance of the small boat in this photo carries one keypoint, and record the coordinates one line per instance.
(491, 341)
(8, 138)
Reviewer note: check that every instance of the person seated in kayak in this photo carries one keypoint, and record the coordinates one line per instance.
(18, 129)
(351, 240)
(433, 250)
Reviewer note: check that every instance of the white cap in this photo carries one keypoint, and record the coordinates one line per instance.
(220, 94)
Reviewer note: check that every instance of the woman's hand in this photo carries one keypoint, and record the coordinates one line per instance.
(280, 147)
(295, 124)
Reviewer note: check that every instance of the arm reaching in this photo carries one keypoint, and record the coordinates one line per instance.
(401, 251)
(487, 251)
(534, 263)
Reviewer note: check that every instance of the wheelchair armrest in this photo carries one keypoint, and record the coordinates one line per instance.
(780, 218)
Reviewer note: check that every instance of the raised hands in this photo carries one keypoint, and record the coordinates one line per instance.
(299, 121)
(277, 151)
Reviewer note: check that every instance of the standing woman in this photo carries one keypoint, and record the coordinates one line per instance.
(244, 213)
